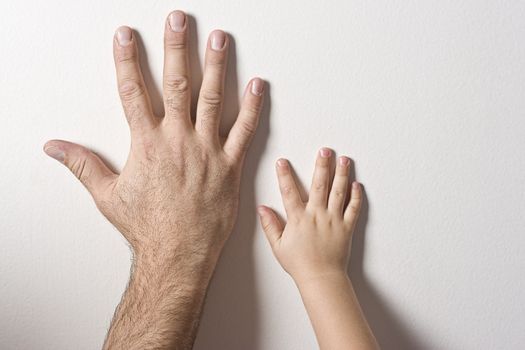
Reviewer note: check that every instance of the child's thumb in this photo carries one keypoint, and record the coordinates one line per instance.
(270, 223)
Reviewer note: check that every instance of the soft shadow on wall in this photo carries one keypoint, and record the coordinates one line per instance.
(230, 318)
(231, 315)
(389, 330)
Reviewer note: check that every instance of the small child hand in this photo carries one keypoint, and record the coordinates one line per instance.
(315, 241)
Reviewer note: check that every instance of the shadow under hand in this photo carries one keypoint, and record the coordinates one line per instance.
(155, 95)
(231, 313)
(388, 329)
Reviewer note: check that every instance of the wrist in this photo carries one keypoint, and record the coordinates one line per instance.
(188, 268)
(316, 278)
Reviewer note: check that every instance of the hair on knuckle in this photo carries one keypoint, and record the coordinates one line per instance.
(211, 97)
(130, 90)
(247, 128)
(177, 83)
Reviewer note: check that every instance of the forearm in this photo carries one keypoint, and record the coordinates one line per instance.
(161, 307)
(335, 314)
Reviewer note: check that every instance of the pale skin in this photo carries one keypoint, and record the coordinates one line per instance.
(175, 201)
(313, 246)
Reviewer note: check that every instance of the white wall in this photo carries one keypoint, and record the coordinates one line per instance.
(426, 96)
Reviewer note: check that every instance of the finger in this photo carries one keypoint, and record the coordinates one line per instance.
(177, 90)
(244, 128)
(354, 206)
(271, 225)
(84, 164)
(132, 89)
(336, 200)
(289, 191)
(321, 179)
(211, 94)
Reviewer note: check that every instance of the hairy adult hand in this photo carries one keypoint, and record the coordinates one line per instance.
(178, 191)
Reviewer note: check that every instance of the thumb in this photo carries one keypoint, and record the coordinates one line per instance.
(84, 164)
(270, 223)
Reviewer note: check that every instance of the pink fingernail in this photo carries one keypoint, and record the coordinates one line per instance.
(325, 152)
(355, 185)
(257, 87)
(124, 36)
(55, 152)
(344, 161)
(261, 210)
(177, 19)
(218, 39)
(282, 163)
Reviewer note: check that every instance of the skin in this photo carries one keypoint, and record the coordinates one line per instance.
(175, 201)
(314, 248)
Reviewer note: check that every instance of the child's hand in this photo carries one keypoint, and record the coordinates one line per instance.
(316, 239)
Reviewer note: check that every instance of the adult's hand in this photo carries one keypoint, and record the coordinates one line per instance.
(176, 199)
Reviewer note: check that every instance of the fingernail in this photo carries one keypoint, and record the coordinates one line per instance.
(257, 87)
(325, 152)
(355, 185)
(260, 210)
(55, 152)
(177, 19)
(218, 39)
(344, 161)
(282, 163)
(124, 36)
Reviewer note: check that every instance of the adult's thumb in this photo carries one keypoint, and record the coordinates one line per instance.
(84, 164)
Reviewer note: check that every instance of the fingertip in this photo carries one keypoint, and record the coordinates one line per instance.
(48, 143)
(177, 21)
(262, 210)
(52, 149)
(344, 161)
(256, 86)
(282, 163)
(325, 152)
(124, 35)
(218, 40)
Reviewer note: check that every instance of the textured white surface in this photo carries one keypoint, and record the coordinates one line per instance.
(427, 97)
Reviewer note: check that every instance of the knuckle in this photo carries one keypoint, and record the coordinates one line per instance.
(130, 90)
(354, 208)
(247, 129)
(339, 192)
(126, 54)
(216, 59)
(176, 41)
(319, 186)
(341, 172)
(267, 226)
(286, 189)
(211, 97)
(177, 83)
(254, 109)
(323, 163)
(78, 168)
(212, 101)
